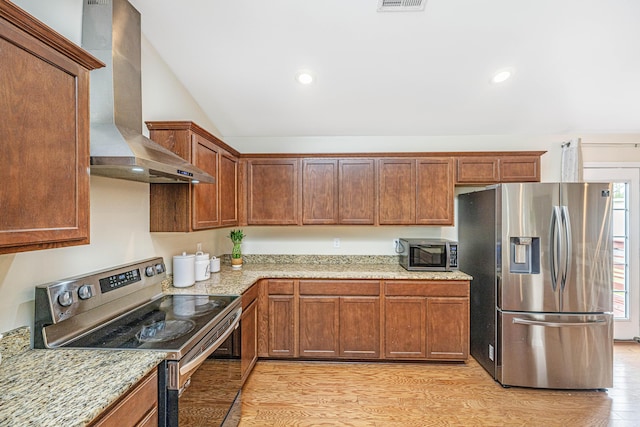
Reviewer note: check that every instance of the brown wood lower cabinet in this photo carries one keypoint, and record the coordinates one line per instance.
(442, 333)
(365, 319)
(405, 327)
(139, 407)
(359, 327)
(448, 328)
(319, 326)
(249, 331)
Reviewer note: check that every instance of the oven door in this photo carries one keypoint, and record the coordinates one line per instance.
(203, 386)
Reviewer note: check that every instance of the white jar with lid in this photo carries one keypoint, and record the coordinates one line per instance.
(184, 270)
(202, 269)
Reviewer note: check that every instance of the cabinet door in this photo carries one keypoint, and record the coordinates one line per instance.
(397, 191)
(44, 138)
(435, 191)
(520, 169)
(249, 332)
(447, 328)
(360, 327)
(272, 187)
(477, 170)
(205, 196)
(356, 191)
(228, 188)
(319, 191)
(319, 320)
(405, 327)
(281, 326)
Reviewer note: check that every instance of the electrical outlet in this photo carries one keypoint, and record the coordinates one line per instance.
(491, 356)
(336, 242)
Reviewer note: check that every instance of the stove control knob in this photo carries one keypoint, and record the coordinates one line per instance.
(159, 268)
(150, 271)
(65, 299)
(85, 292)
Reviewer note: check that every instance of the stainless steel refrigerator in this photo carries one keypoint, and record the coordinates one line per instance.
(541, 297)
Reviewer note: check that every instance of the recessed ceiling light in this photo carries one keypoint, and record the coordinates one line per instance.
(304, 77)
(502, 76)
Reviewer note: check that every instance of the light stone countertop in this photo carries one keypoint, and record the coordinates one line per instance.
(64, 387)
(235, 282)
(71, 387)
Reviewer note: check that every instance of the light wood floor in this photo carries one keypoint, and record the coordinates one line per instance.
(280, 393)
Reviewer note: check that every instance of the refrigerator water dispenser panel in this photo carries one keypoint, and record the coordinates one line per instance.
(524, 255)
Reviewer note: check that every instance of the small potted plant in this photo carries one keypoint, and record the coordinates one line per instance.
(236, 237)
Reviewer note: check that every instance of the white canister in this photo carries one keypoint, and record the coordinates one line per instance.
(184, 267)
(202, 266)
(214, 265)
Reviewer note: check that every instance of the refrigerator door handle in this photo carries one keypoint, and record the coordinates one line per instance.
(554, 246)
(520, 321)
(566, 222)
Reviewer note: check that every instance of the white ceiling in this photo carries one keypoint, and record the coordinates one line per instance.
(576, 63)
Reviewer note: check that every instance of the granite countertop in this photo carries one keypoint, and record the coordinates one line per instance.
(72, 387)
(234, 282)
(64, 387)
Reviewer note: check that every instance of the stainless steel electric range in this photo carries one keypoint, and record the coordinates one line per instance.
(124, 308)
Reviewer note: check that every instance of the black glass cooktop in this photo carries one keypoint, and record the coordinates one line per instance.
(165, 324)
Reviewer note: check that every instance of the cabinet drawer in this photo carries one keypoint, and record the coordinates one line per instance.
(340, 287)
(427, 288)
(280, 287)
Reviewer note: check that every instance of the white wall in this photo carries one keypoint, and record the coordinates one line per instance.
(119, 236)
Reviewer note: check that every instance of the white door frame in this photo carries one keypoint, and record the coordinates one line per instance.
(625, 329)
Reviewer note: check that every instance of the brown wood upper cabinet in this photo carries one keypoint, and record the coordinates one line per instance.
(490, 168)
(416, 191)
(405, 189)
(338, 191)
(192, 207)
(44, 129)
(273, 187)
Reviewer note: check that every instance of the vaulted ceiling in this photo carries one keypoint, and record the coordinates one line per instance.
(575, 65)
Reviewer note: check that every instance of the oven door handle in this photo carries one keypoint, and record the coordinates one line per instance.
(191, 365)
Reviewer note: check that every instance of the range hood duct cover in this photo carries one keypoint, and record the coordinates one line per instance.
(111, 31)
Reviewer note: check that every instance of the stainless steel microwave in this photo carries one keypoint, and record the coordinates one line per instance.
(428, 254)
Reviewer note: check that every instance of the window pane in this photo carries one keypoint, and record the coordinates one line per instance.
(620, 221)
(620, 305)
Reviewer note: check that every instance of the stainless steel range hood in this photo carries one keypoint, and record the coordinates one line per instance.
(111, 32)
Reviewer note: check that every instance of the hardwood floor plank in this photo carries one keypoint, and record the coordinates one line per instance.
(295, 393)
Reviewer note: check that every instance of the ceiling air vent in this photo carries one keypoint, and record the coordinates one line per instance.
(401, 5)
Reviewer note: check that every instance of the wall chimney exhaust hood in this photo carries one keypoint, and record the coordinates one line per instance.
(111, 32)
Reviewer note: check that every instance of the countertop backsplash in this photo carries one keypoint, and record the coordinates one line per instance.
(314, 259)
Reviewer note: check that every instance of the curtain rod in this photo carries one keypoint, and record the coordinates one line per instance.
(612, 144)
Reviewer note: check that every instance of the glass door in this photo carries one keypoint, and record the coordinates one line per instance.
(626, 288)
